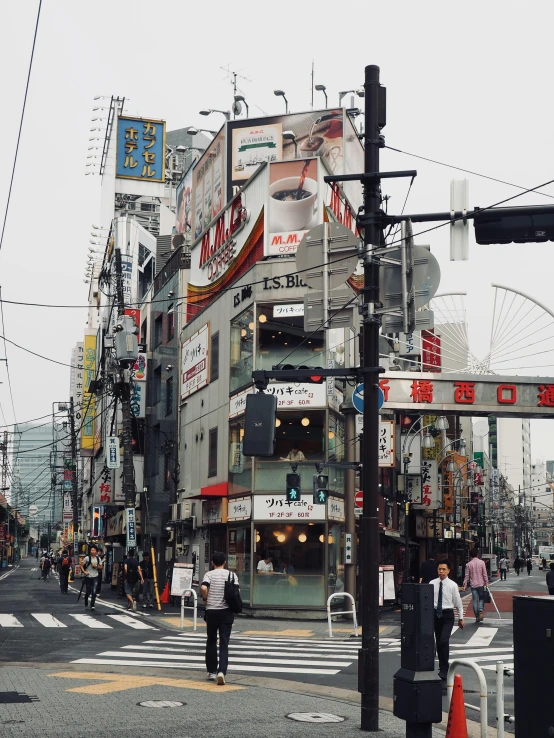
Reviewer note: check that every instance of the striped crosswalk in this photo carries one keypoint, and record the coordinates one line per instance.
(47, 620)
(246, 654)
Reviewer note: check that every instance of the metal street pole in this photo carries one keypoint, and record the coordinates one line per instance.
(350, 412)
(74, 488)
(368, 667)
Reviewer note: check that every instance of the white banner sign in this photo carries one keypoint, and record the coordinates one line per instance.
(335, 509)
(237, 403)
(386, 443)
(112, 452)
(181, 579)
(131, 527)
(348, 548)
(239, 509)
(426, 490)
(293, 396)
(288, 311)
(194, 362)
(276, 508)
(67, 506)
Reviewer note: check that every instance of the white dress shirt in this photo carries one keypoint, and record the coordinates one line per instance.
(450, 595)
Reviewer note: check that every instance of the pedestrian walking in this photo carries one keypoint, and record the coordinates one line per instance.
(219, 617)
(543, 562)
(100, 572)
(550, 579)
(517, 565)
(132, 575)
(529, 565)
(503, 564)
(428, 570)
(90, 571)
(476, 574)
(147, 569)
(45, 568)
(446, 599)
(63, 569)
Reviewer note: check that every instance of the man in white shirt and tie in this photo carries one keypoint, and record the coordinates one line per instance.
(446, 598)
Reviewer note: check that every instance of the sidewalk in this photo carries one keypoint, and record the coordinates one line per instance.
(170, 615)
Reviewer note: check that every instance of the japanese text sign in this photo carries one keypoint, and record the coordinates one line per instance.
(194, 362)
(276, 509)
(239, 509)
(88, 410)
(386, 443)
(140, 149)
(291, 396)
(131, 527)
(335, 509)
(425, 492)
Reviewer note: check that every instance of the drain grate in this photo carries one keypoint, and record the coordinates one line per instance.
(315, 717)
(13, 697)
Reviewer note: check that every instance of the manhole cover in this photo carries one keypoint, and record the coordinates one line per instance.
(315, 717)
(161, 703)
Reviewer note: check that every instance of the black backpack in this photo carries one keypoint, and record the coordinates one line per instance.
(132, 573)
(232, 594)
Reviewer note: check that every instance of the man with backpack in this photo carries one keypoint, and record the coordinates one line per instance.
(90, 571)
(45, 567)
(219, 617)
(64, 565)
(132, 574)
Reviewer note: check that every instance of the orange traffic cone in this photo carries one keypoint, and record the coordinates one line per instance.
(457, 723)
(166, 597)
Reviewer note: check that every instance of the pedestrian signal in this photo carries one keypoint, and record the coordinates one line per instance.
(293, 487)
(320, 488)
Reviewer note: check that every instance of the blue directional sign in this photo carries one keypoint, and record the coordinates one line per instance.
(358, 398)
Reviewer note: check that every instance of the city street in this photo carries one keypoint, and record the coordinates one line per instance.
(40, 627)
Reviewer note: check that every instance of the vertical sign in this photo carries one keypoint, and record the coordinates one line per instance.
(431, 351)
(426, 494)
(131, 527)
(112, 452)
(386, 443)
(140, 149)
(88, 409)
(348, 548)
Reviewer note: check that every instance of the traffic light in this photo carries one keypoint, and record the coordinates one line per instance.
(528, 224)
(293, 487)
(314, 378)
(321, 488)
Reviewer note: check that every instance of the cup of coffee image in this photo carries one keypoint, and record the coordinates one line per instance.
(289, 209)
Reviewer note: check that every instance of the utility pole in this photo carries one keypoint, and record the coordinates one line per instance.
(368, 675)
(74, 488)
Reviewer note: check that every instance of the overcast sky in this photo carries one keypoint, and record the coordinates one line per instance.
(467, 84)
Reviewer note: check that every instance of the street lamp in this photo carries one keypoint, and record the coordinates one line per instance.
(322, 88)
(192, 131)
(209, 111)
(236, 108)
(290, 136)
(359, 92)
(280, 93)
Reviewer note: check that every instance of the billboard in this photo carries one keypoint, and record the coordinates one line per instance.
(195, 365)
(140, 149)
(138, 386)
(89, 405)
(183, 219)
(293, 204)
(284, 137)
(208, 195)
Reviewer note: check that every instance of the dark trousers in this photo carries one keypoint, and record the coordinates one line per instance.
(90, 590)
(443, 631)
(64, 576)
(99, 583)
(503, 573)
(218, 621)
(551, 590)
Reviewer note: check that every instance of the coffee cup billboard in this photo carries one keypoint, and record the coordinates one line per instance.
(293, 203)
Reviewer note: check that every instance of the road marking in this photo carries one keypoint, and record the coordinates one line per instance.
(331, 650)
(187, 623)
(132, 623)
(248, 650)
(9, 621)
(49, 621)
(290, 633)
(108, 684)
(492, 667)
(7, 574)
(323, 645)
(481, 638)
(91, 622)
(481, 651)
(235, 660)
(496, 657)
(184, 665)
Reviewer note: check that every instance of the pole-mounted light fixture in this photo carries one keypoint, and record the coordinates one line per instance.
(280, 93)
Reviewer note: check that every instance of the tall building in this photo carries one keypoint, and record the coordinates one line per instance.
(32, 483)
(513, 449)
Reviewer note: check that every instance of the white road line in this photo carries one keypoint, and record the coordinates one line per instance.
(482, 651)
(235, 660)
(495, 657)
(481, 638)
(49, 621)
(132, 623)
(290, 641)
(7, 574)
(492, 667)
(184, 665)
(320, 645)
(270, 644)
(238, 651)
(9, 621)
(91, 622)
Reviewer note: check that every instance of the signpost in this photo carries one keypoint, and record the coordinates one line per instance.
(112, 452)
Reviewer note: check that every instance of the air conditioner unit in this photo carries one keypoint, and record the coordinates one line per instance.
(187, 509)
(174, 512)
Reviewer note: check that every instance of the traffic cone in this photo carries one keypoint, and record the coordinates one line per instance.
(457, 723)
(166, 597)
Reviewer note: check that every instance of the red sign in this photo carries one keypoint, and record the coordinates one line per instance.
(135, 314)
(359, 499)
(430, 351)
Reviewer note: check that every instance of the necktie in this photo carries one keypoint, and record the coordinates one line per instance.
(439, 602)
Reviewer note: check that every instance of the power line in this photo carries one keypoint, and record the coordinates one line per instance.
(20, 125)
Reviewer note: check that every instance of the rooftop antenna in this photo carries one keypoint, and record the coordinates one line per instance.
(234, 76)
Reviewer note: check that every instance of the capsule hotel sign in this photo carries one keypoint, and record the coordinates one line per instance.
(469, 394)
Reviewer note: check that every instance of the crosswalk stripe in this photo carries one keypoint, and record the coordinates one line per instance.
(9, 621)
(270, 644)
(496, 657)
(303, 645)
(292, 641)
(132, 623)
(493, 650)
(234, 660)
(91, 622)
(49, 621)
(184, 665)
(482, 638)
(235, 652)
(492, 667)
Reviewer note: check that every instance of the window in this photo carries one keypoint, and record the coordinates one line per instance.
(240, 466)
(170, 322)
(169, 396)
(156, 385)
(282, 336)
(158, 331)
(214, 358)
(242, 350)
(212, 453)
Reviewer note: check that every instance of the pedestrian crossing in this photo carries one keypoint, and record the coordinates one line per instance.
(47, 620)
(246, 654)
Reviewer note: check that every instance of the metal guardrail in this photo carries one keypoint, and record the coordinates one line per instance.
(194, 608)
(343, 612)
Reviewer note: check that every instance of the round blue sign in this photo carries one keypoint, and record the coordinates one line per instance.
(358, 398)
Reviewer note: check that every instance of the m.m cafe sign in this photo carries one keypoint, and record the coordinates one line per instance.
(469, 394)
